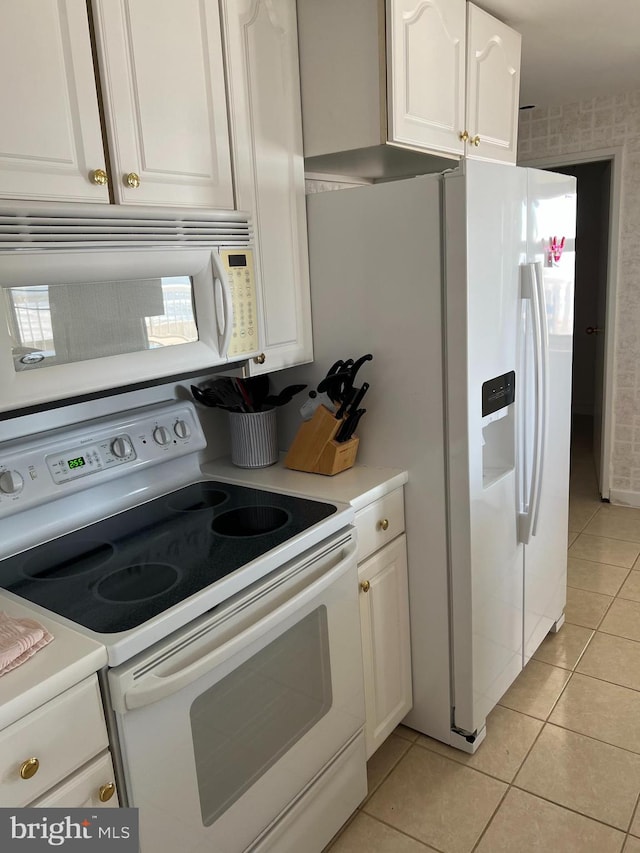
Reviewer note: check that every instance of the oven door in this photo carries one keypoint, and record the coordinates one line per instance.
(225, 726)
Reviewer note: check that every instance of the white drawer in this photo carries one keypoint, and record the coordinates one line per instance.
(62, 735)
(84, 788)
(379, 523)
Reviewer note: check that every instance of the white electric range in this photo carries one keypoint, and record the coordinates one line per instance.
(230, 618)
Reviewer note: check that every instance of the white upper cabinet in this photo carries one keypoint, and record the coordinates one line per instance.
(383, 83)
(164, 98)
(493, 87)
(425, 68)
(264, 108)
(50, 139)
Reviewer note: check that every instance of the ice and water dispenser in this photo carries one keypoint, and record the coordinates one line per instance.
(498, 427)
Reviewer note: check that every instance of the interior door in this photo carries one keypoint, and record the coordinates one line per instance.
(600, 334)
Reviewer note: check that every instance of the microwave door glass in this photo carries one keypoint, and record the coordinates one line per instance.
(68, 323)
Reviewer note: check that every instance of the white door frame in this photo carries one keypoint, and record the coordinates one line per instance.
(613, 154)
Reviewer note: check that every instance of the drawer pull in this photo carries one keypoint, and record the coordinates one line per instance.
(29, 768)
(106, 792)
(365, 586)
(384, 524)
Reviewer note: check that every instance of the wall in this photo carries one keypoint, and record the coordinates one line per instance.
(600, 123)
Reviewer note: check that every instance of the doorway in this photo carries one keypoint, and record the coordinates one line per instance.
(592, 252)
(598, 180)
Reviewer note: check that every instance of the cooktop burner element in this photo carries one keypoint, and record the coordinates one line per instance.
(119, 572)
(208, 497)
(138, 583)
(250, 521)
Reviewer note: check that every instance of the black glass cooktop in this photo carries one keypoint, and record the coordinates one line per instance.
(120, 572)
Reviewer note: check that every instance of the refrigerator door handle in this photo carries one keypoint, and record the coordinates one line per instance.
(543, 355)
(531, 284)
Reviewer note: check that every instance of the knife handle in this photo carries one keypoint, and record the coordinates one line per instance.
(348, 428)
(346, 403)
(357, 399)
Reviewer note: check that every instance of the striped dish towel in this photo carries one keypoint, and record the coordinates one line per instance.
(19, 640)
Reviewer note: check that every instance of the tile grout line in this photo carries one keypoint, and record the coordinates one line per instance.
(425, 844)
(633, 816)
(510, 785)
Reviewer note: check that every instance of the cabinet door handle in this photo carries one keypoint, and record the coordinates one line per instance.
(260, 359)
(132, 180)
(106, 792)
(365, 586)
(29, 768)
(99, 176)
(476, 140)
(383, 524)
(463, 135)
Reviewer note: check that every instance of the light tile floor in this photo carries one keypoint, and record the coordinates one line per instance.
(560, 767)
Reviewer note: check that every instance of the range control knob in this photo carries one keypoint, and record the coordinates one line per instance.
(11, 483)
(161, 435)
(181, 429)
(121, 446)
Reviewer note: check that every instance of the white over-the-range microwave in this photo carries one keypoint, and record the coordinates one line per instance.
(88, 304)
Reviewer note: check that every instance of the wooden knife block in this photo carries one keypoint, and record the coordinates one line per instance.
(315, 450)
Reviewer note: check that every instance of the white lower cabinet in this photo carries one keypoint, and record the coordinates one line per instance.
(58, 754)
(384, 617)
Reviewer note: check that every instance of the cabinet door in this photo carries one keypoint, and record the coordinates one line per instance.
(386, 644)
(493, 87)
(164, 100)
(266, 128)
(425, 73)
(50, 138)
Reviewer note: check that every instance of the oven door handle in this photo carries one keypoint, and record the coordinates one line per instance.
(152, 688)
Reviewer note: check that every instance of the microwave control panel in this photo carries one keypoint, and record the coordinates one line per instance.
(242, 281)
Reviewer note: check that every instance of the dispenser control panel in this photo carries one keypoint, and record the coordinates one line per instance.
(498, 393)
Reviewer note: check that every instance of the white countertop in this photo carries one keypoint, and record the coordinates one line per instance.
(67, 659)
(358, 486)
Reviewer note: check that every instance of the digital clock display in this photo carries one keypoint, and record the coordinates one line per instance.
(78, 462)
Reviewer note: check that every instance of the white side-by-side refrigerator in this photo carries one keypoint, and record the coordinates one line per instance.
(461, 285)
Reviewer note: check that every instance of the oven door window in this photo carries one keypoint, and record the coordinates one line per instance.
(68, 323)
(244, 723)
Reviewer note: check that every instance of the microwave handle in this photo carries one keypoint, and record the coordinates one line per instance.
(152, 688)
(224, 304)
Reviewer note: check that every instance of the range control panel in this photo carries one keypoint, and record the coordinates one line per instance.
(242, 281)
(46, 466)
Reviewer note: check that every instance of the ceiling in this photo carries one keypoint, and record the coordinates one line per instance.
(573, 49)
